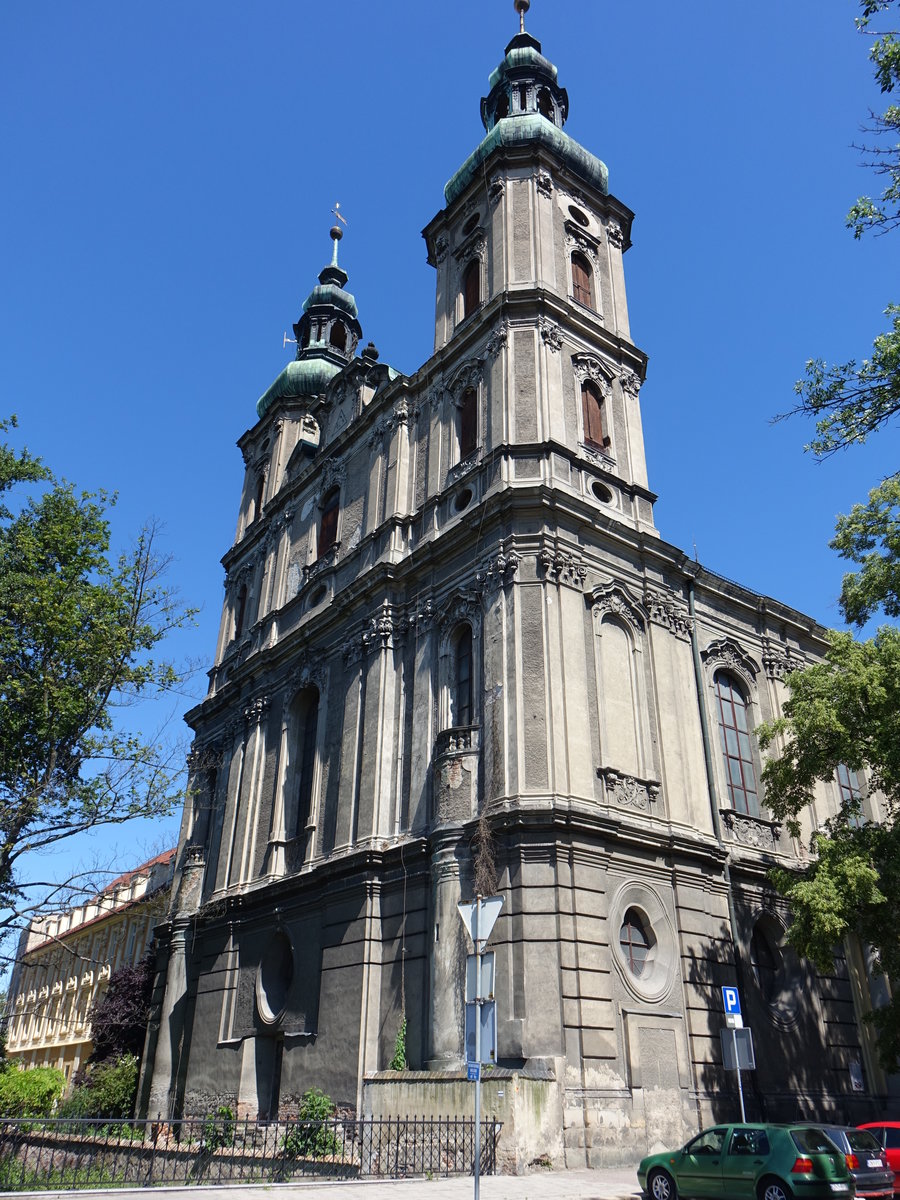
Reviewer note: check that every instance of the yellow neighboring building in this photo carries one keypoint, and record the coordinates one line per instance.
(65, 961)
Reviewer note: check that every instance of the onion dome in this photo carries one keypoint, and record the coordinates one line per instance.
(327, 334)
(526, 104)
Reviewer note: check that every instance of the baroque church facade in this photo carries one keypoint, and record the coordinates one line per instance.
(451, 625)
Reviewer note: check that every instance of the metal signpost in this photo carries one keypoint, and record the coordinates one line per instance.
(479, 919)
(737, 1042)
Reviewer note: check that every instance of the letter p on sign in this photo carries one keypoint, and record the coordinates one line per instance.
(731, 999)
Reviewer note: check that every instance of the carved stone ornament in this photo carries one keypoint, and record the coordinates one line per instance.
(588, 366)
(462, 468)
(614, 600)
(597, 456)
(474, 246)
(354, 650)
(307, 672)
(322, 563)
(419, 620)
(544, 183)
(577, 239)
(256, 710)
(461, 606)
(562, 567)
(498, 571)
(334, 473)
(755, 832)
(780, 661)
(467, 375)
(628, 791)
(497, 340)
(551, 335)
(441, 249)
(724, 652)
(615, 235)
(663, 608)
(497, 189)
(379, 633)
(631, 383)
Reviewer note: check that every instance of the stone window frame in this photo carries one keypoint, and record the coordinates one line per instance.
(285, 826)
(469, 376)
(612, 605)
(473, 250)
(264, 1010)
(459, 612)
(660, 967)
(726, 655)
(588, 368)
(790, 991)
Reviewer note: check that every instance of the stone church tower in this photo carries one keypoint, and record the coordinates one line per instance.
(450, 620)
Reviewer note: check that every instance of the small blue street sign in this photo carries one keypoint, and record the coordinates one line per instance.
(731, 999)
(473, 1069)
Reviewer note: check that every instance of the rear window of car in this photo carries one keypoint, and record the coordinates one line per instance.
(861, 1139)
(812, 1141)
(892, 1138)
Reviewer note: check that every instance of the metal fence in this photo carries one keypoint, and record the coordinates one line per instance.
(66, 1154)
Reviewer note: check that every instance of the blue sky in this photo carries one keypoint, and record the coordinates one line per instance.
(169, 172)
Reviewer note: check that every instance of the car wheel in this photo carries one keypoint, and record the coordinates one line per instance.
(774, 1189)
(661, 1186)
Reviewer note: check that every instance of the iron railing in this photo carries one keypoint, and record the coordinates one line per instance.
(66, 1154)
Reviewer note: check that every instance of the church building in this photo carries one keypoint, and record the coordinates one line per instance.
(456, 655)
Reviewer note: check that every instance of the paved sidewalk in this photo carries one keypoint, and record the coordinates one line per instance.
(619, 1183)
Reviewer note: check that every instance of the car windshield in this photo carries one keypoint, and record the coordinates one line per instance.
(861, 1139)
(813, 1141)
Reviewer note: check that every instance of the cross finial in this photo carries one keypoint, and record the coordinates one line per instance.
(522, 7)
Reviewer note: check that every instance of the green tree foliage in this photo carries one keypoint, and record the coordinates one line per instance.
(30, 1093)
(78, 635)
(313, 1136)
(846, 709)
(107, 1089)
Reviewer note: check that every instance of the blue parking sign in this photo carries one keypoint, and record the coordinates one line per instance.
(731, 999)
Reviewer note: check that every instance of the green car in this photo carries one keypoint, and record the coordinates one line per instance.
(760, 1162)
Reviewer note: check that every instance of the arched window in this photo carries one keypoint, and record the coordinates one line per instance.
(305, 332)
(307, 725)
(240, 612)
(468, 424)
(328, 523)
(764, 961)
(582, 280)
(502, 109)
(592, 412)
(523, 97)
(338, 336)
(471, 287)
(545, 104)
(851, 796)
(634, 942)
(461, 712)
(258, 499)
(734, 727)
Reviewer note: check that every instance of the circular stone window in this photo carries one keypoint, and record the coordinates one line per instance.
(602, 492)
(577, 215)
(463, 500)
(471, 225)
(642, 941)
(318, 596)
(274, 978)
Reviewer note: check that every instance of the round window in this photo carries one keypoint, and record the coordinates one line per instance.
(463, 499)
(318, 596)
(274, 978)
(635, 942)
(577, 215)
(602, 492)
(471, 225)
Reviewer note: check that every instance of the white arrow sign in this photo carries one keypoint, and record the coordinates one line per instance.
(490, 911)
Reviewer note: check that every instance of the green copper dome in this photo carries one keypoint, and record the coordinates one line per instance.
(327, 334)
(526, 104)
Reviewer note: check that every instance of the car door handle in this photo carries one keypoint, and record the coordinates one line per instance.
(758, 1162)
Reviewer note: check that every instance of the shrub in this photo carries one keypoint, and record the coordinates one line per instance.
(398, 1062)
(30, 1093)
(119, 1017)
(218, 1128)
(108, 1090)
(312, 1137)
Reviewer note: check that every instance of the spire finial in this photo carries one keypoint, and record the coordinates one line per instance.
(336, 233)
(522, 7)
